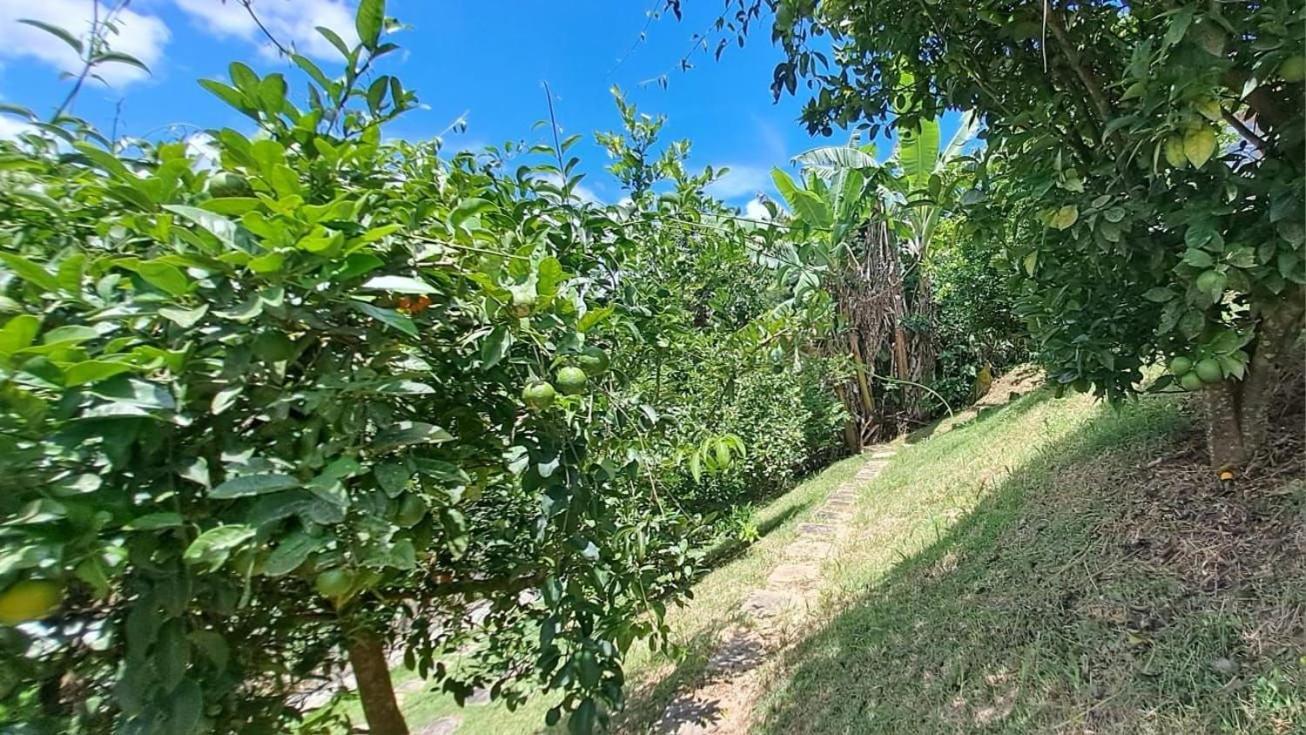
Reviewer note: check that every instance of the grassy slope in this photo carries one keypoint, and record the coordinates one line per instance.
(653, 678)
(1034, 570)
(1037, 570)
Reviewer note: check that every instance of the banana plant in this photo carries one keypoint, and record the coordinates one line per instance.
(916, 190)
(924, 185)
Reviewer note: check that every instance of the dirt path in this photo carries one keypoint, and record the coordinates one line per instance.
(721, 702)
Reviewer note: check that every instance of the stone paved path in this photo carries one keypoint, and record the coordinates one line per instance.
(721, 702)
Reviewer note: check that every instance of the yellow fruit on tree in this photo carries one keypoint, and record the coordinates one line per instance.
(29, 600)
(1199, 145)
(1174, 152)
(1209, 109)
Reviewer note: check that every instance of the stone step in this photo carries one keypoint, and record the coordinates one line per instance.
(808, 549)
(819, 530)
(833, 517)
(765, 604)
(794, 575)
(739, 652)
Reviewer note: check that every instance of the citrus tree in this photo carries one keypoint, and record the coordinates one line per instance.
(323, 399)
(1151, 161)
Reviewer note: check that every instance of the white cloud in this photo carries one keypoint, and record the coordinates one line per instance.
(291, 22)
(755, 209)
(203, 149)
(138, 34)
(11, 127)
(741, 180)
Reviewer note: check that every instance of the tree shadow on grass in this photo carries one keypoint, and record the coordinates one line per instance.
(1067, 601)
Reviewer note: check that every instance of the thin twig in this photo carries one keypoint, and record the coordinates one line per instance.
(92, 45)
(249, 8)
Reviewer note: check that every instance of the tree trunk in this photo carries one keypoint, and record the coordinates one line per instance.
(1224, 431)
(375, 691)
(1238, 412)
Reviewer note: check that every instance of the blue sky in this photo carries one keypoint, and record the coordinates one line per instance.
(485, 58)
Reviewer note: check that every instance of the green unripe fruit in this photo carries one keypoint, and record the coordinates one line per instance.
(1293, 69)
(593, 361)
(31, 599)
(228, 184)
(333, 584)
(1181, 365)
(1190, 381)
(1210, 282)
(1208, 369)
(411, 511)
(571, 380)
(538, 395)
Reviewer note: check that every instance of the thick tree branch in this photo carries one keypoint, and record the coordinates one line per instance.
(1247, 133)
(1086, 77)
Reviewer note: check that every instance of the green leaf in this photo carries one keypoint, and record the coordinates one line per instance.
(467, 209)
(388, 317)
(495, 347)
(163, 276)
(335, 40)
(117, 57)
(1159, 294)
(582, 721)
(18, 333)
(92, 371)
(836, 157)
(368, 22)
(248, 485)
(154, 522)
(30, 272)
(185, 318)
(60, 33)
(290, 553)
(230, 95)
(405, 433)
(186, 708)
(215, 545)
(1198, 258)
(228, 233)
(918, 151)
(398, 284)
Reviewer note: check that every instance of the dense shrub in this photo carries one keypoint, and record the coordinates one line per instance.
(302, 408)
(977, 328)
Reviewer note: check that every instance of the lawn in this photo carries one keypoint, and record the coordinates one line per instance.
(1060, 566)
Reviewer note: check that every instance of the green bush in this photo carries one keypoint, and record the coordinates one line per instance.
(977, 325)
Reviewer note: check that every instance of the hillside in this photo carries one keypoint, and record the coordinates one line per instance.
(1044, 565)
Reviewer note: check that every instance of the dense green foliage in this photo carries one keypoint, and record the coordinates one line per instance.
(325, 396)
(1139, 234)
(978, 327)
